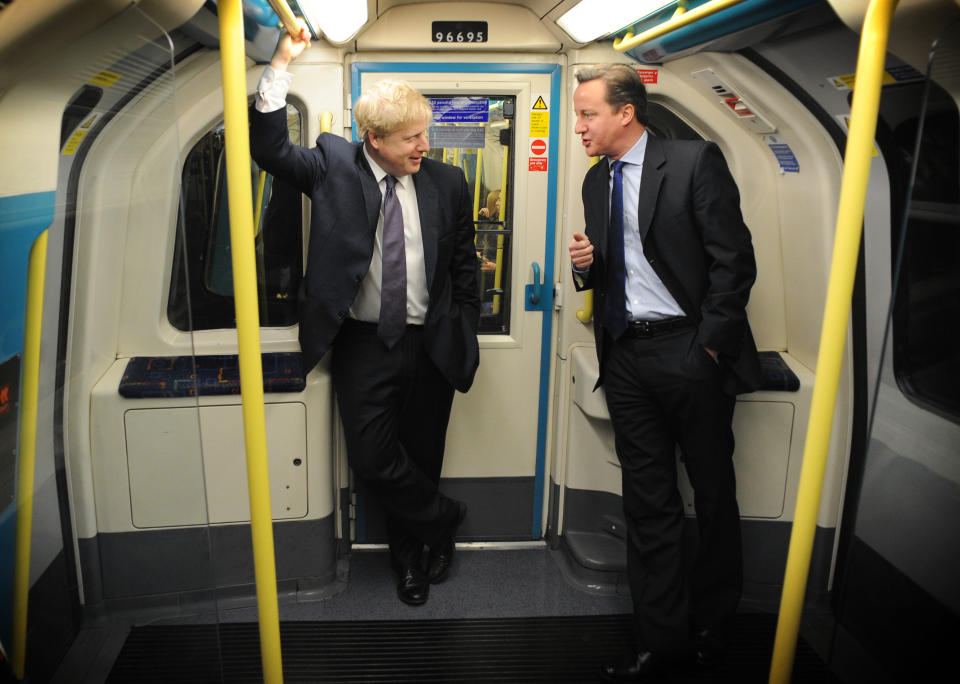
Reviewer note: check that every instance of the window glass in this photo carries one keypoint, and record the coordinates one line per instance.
(926, 318)
(201, 285)
(475, 134)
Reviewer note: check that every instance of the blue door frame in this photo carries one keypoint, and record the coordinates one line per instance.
(545, 303)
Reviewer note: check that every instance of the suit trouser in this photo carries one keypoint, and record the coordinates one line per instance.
(395, 406)
(664, 392)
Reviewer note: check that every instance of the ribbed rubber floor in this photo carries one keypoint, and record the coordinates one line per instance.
(560, 649)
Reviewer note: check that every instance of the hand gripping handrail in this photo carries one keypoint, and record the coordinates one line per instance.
(287, 17)
(678, 20)
(853, 192)
(236, 129)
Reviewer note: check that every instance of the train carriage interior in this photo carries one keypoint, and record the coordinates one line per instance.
(143, 537)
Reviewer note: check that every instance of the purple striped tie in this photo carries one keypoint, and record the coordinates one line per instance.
(393, 290)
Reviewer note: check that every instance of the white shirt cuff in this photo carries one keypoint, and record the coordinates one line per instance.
(272, 90)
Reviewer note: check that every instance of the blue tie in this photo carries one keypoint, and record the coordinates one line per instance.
(615, 309)
(393, 288)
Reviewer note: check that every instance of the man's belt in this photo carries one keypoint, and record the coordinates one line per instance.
(654, 328)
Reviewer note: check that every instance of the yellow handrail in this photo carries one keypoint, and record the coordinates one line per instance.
(248, 331)
(853, 192)
(27, 450)
(502, 217)
(326, 122)
(585, 315)
(678, 20)
(258, 202)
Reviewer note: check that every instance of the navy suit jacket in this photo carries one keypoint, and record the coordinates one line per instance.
(345, 207)
(696, 241)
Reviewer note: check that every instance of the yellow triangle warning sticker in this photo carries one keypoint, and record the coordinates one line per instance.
(540, 104)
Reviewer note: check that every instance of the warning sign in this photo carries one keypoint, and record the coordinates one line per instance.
(538, 147)
(847, 81)
(538, 164)
(74, 142)
(539, 124)
(540, 118)
(648, 75)
(105, 78)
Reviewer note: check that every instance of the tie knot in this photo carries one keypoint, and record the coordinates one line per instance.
(617, 165)
(391, 181)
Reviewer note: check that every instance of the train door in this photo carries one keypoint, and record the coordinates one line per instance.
(499, 122)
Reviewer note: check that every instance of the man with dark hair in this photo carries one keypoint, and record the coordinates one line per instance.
(671, 264)
(391, 286)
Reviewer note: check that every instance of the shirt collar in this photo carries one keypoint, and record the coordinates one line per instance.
(380, 174)
(636, 153)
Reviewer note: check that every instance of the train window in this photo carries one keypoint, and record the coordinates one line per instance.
(663, 123)
(201, 285)
(926, 318)
(476, 135)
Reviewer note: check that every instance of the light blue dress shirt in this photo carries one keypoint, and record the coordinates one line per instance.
(647, 297)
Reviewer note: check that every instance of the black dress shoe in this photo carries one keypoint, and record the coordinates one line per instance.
(645, 666)
(438, 564)
(413, 588)
(440, 557)
(709, 645)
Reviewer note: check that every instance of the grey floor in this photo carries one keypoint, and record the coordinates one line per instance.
(485, 583)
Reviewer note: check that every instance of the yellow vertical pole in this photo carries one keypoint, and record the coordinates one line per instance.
(498, 274)
(27, 450)
(853, 193)
(476, 185)
(248, 331)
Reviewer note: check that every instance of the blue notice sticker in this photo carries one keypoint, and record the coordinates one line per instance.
(785, 156)
(460, 109)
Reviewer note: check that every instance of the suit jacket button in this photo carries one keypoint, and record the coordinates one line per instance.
(358, 277)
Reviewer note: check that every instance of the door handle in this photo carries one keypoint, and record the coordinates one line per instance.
(537, 299)
(533, 294)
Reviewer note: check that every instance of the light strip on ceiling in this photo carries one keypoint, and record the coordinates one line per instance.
(591, 19)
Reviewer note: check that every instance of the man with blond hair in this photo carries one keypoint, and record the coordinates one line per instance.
(391, 287)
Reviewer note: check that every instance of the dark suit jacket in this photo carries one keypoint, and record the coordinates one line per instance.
(696, 241)
(346, 200)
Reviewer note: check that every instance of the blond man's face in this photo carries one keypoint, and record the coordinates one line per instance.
(400, 153)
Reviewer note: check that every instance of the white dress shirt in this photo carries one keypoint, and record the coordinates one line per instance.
(271, 96)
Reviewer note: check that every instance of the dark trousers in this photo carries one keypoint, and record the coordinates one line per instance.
(665, 392)
(395, 406)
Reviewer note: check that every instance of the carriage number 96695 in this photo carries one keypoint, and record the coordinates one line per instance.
(459, 32)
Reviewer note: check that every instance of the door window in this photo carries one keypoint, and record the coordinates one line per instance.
(475, 134)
